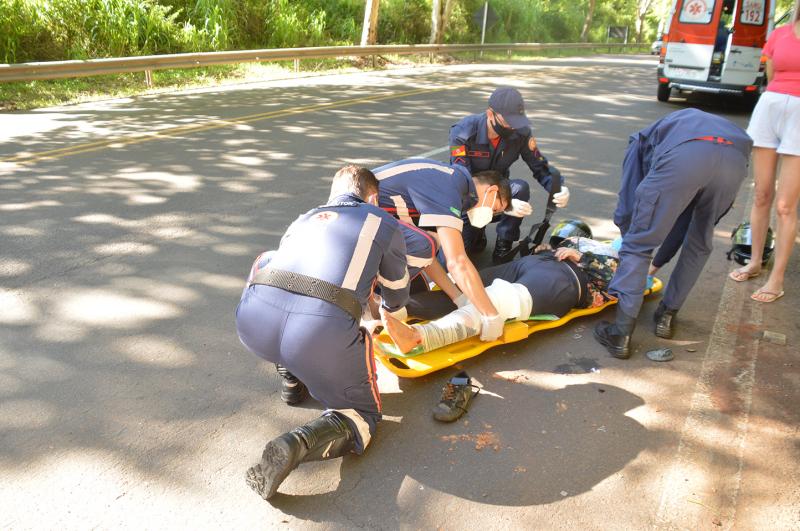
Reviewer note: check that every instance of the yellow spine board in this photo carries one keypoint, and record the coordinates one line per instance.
(414, 367)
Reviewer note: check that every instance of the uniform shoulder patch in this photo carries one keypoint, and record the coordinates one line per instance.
(458, 151)
(324, 217)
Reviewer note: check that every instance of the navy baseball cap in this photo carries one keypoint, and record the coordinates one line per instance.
(507, 102)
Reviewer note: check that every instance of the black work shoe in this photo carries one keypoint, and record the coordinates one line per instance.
(617, 343)
(503, 251)
(665, 321)
(456, 396)
(293, 391)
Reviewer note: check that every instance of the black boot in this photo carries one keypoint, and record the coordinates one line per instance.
(293, 391)
(616, 337)
(478, 243)
(665, 321)
(327, 437)
(503, 251)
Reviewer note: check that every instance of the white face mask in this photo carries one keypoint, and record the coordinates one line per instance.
(482, 215)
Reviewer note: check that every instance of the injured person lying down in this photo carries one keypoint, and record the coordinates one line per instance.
(551, 282)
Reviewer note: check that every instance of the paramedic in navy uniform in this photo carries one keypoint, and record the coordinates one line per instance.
(429, 198)
(494, 140)
(342, 247)
(689, 163)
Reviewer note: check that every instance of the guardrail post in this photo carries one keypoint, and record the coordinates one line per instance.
(297, 65)
(373, 61)
(148, 78)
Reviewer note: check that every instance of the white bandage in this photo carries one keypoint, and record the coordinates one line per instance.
(512, 301)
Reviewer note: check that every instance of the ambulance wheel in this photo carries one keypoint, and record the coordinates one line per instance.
(750, 99)
(663, 92)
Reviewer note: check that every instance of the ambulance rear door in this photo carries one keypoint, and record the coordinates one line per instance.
(743, 56)
(692, 33)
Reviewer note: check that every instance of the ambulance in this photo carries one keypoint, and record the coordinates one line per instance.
(715, 46)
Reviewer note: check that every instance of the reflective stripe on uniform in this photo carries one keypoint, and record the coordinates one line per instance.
(394, 284)
(441, 220)
(401, 208)
(416, 261)
(412, 166)
(361, 252)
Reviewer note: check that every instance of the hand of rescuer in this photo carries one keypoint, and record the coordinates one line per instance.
(491, 327)
(461, 301)
(561, 199)
(520, 208)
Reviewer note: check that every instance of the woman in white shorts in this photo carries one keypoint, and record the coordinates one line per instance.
(775, 129)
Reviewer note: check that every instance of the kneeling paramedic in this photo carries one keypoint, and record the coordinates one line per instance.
(429, 198)
(302, 308)
(685, 168)
(494, 140)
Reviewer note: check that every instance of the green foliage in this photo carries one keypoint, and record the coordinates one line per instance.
(43, 30)
(404, 22)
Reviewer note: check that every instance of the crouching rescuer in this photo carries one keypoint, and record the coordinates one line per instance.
(301, 310)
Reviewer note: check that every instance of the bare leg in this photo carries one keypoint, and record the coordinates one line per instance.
(786, 207)
(403, 335)
(765, 161)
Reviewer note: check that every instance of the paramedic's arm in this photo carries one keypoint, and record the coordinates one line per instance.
(632, 175)
(463, 271)
(537, 163)
(393, 274)
(437, 273)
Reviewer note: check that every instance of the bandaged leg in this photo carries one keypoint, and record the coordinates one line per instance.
(513, 301)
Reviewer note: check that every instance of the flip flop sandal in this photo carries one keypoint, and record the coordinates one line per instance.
(773, 295)
(738, 275)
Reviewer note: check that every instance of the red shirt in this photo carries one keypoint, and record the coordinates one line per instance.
(783, 47)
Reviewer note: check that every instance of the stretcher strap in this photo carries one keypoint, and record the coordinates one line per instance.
(311, 287)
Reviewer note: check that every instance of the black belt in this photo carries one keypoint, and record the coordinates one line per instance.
(311, 287)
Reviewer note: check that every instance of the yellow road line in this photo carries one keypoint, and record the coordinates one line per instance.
(127, 140)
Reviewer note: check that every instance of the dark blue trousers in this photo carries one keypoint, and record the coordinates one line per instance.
(317, 342)
(704, 173)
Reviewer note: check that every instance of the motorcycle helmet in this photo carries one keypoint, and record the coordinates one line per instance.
(569, 227)
(741, 242)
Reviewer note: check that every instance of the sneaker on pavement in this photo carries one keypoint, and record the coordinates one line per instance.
(456, 396)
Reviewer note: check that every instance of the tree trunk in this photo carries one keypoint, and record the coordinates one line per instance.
(436, 22)
(587, 23)
(642, 9)
(369, 33)
(440, 14)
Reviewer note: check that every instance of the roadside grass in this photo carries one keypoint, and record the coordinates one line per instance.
(22, 96)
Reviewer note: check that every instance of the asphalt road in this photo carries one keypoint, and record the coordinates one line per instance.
(127, 228)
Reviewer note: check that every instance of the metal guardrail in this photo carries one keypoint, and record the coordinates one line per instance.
(147, 63)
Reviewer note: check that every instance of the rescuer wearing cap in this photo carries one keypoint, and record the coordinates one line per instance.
(494, 140)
